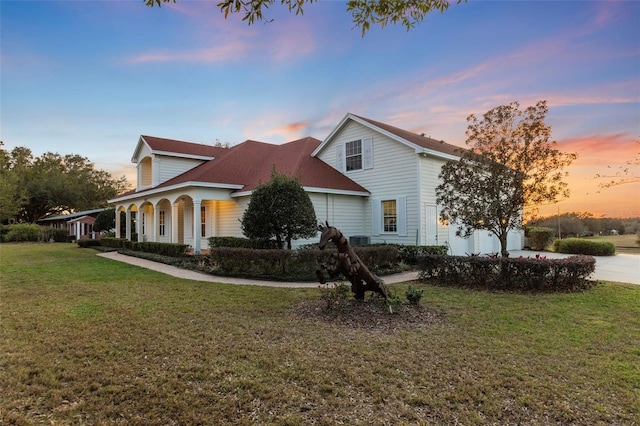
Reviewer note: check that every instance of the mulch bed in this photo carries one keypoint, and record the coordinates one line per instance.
(371, 314)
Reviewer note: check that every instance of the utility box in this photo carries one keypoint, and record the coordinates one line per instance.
(359, 240)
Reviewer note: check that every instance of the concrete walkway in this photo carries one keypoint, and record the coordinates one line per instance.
(623, 268)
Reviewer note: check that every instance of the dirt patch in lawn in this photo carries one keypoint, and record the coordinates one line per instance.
(370, 315)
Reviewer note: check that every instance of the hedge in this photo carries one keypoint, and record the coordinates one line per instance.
(238, 242)
(508, 274)
(292, 265)
(163, 249)
(31, 232)
(586, 247)
(88, 243)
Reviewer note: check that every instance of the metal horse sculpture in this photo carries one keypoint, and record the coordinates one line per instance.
(347, 263)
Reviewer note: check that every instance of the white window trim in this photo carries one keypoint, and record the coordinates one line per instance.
(378, 218)
(366, 155)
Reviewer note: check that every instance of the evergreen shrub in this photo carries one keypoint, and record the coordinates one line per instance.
(540, 237)
(583, 246)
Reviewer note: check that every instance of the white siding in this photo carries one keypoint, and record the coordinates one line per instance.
(429, 171)
(393, 175)
(228, 217)
(170, 167)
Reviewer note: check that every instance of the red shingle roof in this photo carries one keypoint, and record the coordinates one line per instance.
(181, 147)
(251, 162)
(423, 141)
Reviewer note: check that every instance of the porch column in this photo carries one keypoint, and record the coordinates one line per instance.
(128, 225)
(174, 223)
(156, 223)
(139, 224)
(117, 222)
(197, 222)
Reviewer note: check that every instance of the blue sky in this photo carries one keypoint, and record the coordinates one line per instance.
(89, 77)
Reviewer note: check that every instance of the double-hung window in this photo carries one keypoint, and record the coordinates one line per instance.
(389, 216)
(203, 221)
(353, 155)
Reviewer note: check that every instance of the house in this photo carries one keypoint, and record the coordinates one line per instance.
(373, 181)
(79, 224)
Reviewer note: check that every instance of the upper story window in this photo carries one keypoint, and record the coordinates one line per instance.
(145, 172)
(353, 155)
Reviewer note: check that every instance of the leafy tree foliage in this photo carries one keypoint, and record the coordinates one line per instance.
(365, 12)
(511, 163)
(52, 184)
(279, 209)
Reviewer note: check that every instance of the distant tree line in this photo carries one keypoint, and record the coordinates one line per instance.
(34, 187)
(584, 224)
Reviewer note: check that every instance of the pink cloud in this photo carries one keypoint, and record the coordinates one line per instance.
(235, 50)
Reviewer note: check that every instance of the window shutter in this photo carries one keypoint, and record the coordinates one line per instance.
(340, 165)
(401, 205)
(367, 153)
(376, 216)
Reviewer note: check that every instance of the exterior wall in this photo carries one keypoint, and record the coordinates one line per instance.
(166, 168)
(429, 210)
(393, 175)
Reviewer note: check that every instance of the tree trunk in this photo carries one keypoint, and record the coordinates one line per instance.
(503, 244)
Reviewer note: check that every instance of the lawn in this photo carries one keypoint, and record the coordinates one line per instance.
(624, 243)
(87, 340)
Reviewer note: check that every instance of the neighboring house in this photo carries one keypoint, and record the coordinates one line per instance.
(79, 224)
(373, 181)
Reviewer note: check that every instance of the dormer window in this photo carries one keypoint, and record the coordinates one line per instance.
(145, 172)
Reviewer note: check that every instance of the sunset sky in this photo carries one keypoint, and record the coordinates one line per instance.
(89, 77)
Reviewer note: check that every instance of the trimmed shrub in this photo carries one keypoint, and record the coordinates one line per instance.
(24, 232)
(119, 243)
(540, 237)
(163, 249)
(410, 254)
(586, 247)
(88, 243)
(238, 242)
(508, 274)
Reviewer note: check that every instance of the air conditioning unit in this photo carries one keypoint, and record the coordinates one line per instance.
(359, 240)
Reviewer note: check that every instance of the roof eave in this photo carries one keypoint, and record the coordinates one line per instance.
(182, 185)
(315, 190)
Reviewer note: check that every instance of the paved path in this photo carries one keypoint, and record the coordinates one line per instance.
(621, 268)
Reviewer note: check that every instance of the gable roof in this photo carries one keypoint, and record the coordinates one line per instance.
(176, 148)
(243, 167)
(421, 144)
(72, 215)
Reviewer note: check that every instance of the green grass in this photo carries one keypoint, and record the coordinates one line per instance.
(624, 243)
(86, 340)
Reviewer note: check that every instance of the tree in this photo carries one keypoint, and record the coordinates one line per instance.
(630, 173)
(279, 209)
(53, 184)
(511, 164)
(365, 12)
(12, 195)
